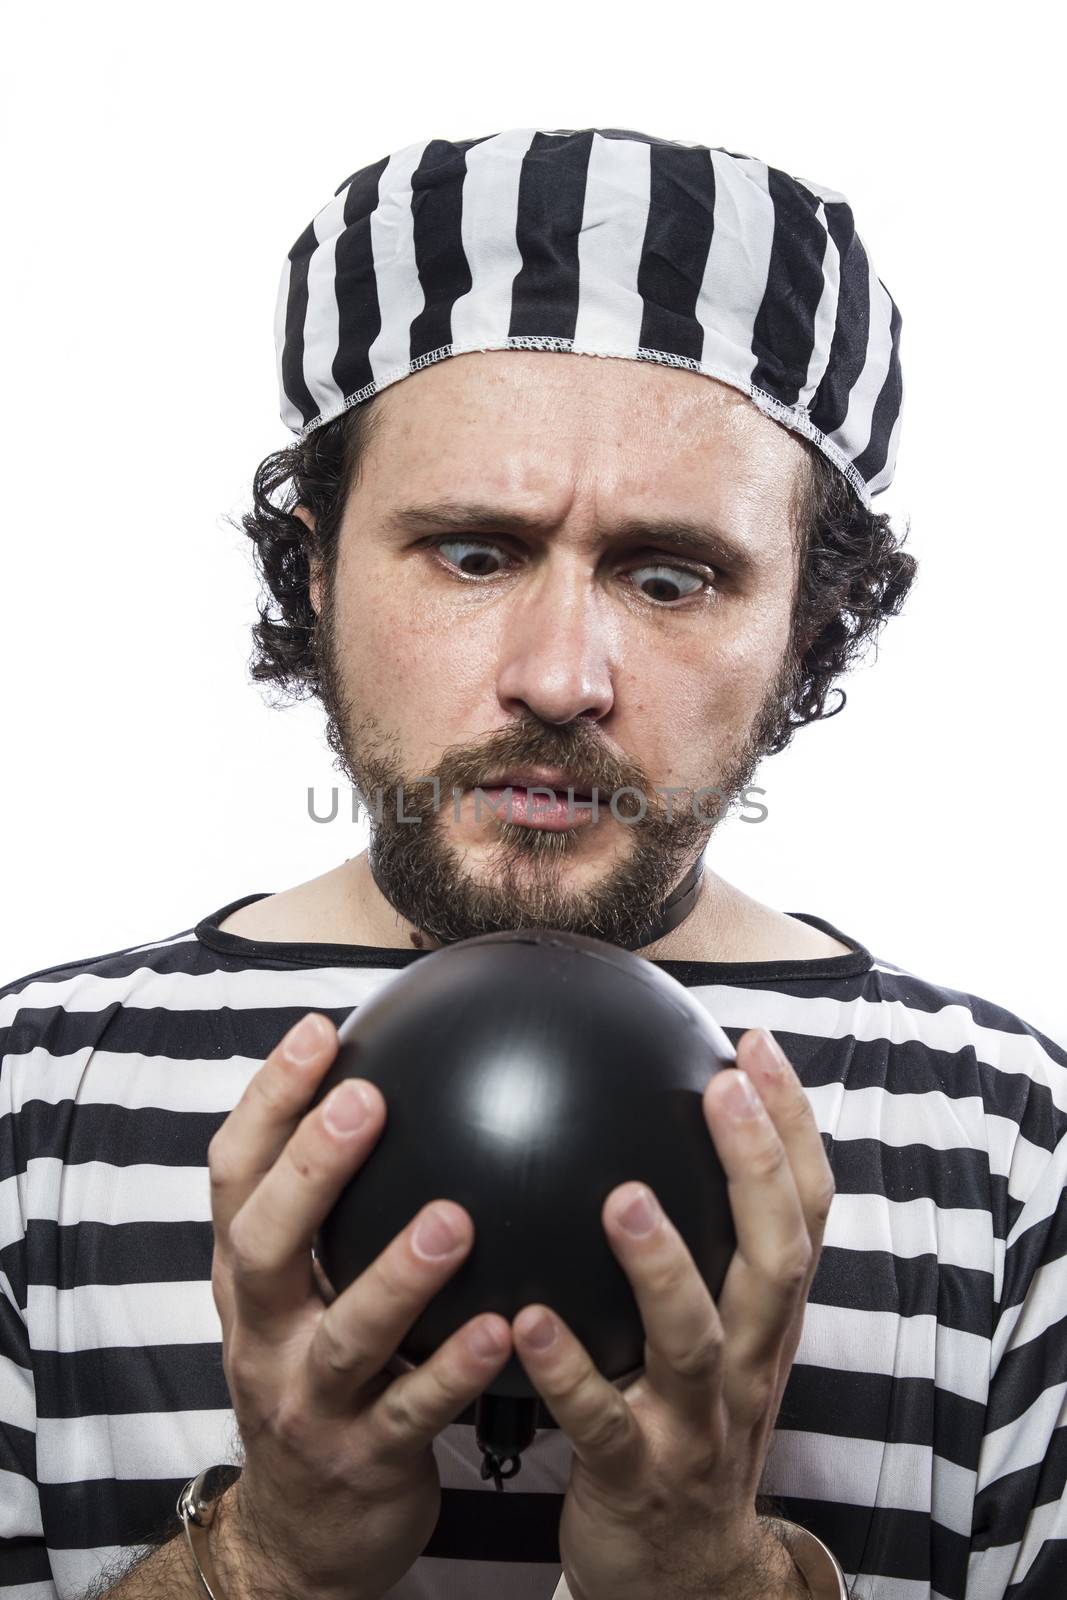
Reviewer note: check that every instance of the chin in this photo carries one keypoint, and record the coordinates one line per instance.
(560, 879)
(564, 863)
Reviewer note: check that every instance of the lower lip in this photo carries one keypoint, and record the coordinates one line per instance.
(535, 810)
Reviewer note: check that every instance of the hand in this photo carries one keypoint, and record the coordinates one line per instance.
(661, 1501)
(340, 1491)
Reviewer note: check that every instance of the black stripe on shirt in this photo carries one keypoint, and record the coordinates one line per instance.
(882, 1406)
(1002, 1510)
(1026, 1371)
(907, 1286)
(146, 1136)
(18, 1450)
(118, 1380)
(109, 1511)
(888, 1541)
(24, 1561)
(904, 1066)
(510, 1526)
(113, 1253)
(1044, 1241)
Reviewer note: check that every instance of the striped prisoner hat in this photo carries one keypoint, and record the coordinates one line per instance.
(599, 241)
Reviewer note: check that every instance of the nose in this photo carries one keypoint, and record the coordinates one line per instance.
(556, 655)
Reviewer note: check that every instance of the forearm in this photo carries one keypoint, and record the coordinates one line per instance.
(169, 1572)
(165, 1574)
(768, 1572)
(783, 1580)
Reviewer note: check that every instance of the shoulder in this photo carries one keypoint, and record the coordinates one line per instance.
(110, 963)
(953, 1019)
(61, 1010)
(970, 1049)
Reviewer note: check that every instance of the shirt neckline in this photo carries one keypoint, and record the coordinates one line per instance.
(858, 961)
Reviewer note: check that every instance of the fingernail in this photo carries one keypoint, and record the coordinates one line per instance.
(303, 1043)
(346, 1108)
(541, 1335)
(435, 1236)
(485, 1340)
(742, 1101)
(770, 1055)
(640, 1216)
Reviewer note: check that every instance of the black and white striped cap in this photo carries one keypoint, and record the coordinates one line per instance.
(599, 241)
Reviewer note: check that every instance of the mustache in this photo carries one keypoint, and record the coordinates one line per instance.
(531, 744)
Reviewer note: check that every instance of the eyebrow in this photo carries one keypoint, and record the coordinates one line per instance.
(689, 538)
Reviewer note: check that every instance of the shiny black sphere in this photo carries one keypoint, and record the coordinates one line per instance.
(526, 1075)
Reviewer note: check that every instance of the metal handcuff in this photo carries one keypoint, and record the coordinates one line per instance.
(817, 1565)
(196, 1510)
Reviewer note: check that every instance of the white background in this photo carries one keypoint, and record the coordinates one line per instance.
(158, 166)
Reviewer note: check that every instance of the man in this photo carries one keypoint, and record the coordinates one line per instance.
(518, 572)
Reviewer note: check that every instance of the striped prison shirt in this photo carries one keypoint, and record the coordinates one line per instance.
(923, 1430)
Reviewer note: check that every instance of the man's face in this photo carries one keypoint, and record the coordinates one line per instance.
(547, 631)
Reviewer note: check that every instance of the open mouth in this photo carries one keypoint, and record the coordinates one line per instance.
(534, 803)
(560, 783)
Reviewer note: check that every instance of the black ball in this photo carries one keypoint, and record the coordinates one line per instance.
(526, 1075)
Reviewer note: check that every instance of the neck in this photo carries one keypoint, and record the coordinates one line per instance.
(671, 914)
(371, 908)
(677, 906)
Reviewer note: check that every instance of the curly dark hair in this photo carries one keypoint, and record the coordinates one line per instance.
(854, 573)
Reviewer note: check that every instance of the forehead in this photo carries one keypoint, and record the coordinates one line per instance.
(548, 429)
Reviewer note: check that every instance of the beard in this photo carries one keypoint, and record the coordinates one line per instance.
(421, 872)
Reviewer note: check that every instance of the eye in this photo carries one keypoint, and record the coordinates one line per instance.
(475, 557)
(664, 582)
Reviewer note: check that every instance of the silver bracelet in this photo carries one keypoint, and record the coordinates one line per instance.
(196, 1508)
(818, 1566)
